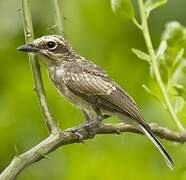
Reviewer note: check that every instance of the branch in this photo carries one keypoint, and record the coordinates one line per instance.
(35, 67)
(148, 41)
(61, 138)
(57, 15)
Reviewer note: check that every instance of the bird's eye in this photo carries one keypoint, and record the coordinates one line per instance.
(51, 45)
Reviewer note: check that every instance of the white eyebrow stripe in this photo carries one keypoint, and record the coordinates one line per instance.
(49, 38)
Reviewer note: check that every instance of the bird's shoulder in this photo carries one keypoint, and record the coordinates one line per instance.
(82, 65)
(86, 77)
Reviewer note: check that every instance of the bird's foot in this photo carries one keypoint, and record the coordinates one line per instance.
(75, 131)
(90, 131)
(89, 126)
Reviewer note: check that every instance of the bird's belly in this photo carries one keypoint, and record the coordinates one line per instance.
(56, 76)
(73, 98)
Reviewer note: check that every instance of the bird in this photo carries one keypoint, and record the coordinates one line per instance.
(89, 87)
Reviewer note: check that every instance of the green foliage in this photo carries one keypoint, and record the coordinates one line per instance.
(153, 4)
(170, 56)
(175, 35)
(123, 8)
(174, 66)
(179, 104)
(141, 55)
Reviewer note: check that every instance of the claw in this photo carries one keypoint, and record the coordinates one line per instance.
(90, 131)
(88, 126)
(78, 134)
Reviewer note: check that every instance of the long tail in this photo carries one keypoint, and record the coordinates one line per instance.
(147, 130)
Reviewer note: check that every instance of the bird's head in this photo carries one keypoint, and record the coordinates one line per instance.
(54, 48)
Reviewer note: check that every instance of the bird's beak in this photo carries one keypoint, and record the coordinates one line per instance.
(28, 48)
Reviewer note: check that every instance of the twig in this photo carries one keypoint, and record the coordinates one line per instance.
(136, 23)
(61, 138)
(146, 34)
(35, 67)
(58, 20)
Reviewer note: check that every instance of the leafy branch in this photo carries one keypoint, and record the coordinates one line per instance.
(167, 61)
(154, 64)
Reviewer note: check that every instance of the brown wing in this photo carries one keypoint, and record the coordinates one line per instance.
(97, 88)
(94, 85)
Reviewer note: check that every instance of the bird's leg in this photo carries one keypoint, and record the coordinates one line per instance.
(99, 117)
(88, 115)
(88, 125)
(91, 122)
(89, 118)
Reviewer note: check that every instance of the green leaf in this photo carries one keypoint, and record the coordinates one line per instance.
(123, 8)
(175, 35)
(179, 104)
(179, 77)
(161, 50)
(141, 55)
(164, 70)
(149, 91)
(180, 89)
(177, 61)
(172, 63)
(153, 4)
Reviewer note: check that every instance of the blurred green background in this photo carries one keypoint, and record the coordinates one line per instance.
(99, 35)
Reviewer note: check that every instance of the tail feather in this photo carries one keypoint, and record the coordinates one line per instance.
(147, 130)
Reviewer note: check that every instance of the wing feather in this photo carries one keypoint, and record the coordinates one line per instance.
(95, 86)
